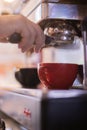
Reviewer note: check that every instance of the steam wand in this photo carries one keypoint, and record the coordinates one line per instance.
(84, 35)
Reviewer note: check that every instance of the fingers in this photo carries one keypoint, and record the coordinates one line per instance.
(38, 35)
(31, 33)
(39, 43)
(40, 38)
(28, 39)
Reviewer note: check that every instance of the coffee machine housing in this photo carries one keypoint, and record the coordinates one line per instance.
(44, 9)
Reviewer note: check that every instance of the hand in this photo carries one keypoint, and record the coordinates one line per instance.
(31, 33)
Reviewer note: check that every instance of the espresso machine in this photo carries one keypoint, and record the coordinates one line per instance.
(36, 109)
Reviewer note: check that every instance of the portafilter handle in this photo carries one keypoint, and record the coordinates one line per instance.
(16, 38)
(84, 36)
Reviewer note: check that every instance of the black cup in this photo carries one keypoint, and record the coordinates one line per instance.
(28, 77)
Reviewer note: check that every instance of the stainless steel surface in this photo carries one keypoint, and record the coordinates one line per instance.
(67, 11)
(23, 106)
(85, 60)
(84, 34)
(61, 31)
(42, 9)
(67, 1)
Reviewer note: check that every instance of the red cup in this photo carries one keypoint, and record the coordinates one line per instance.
(57, 75)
